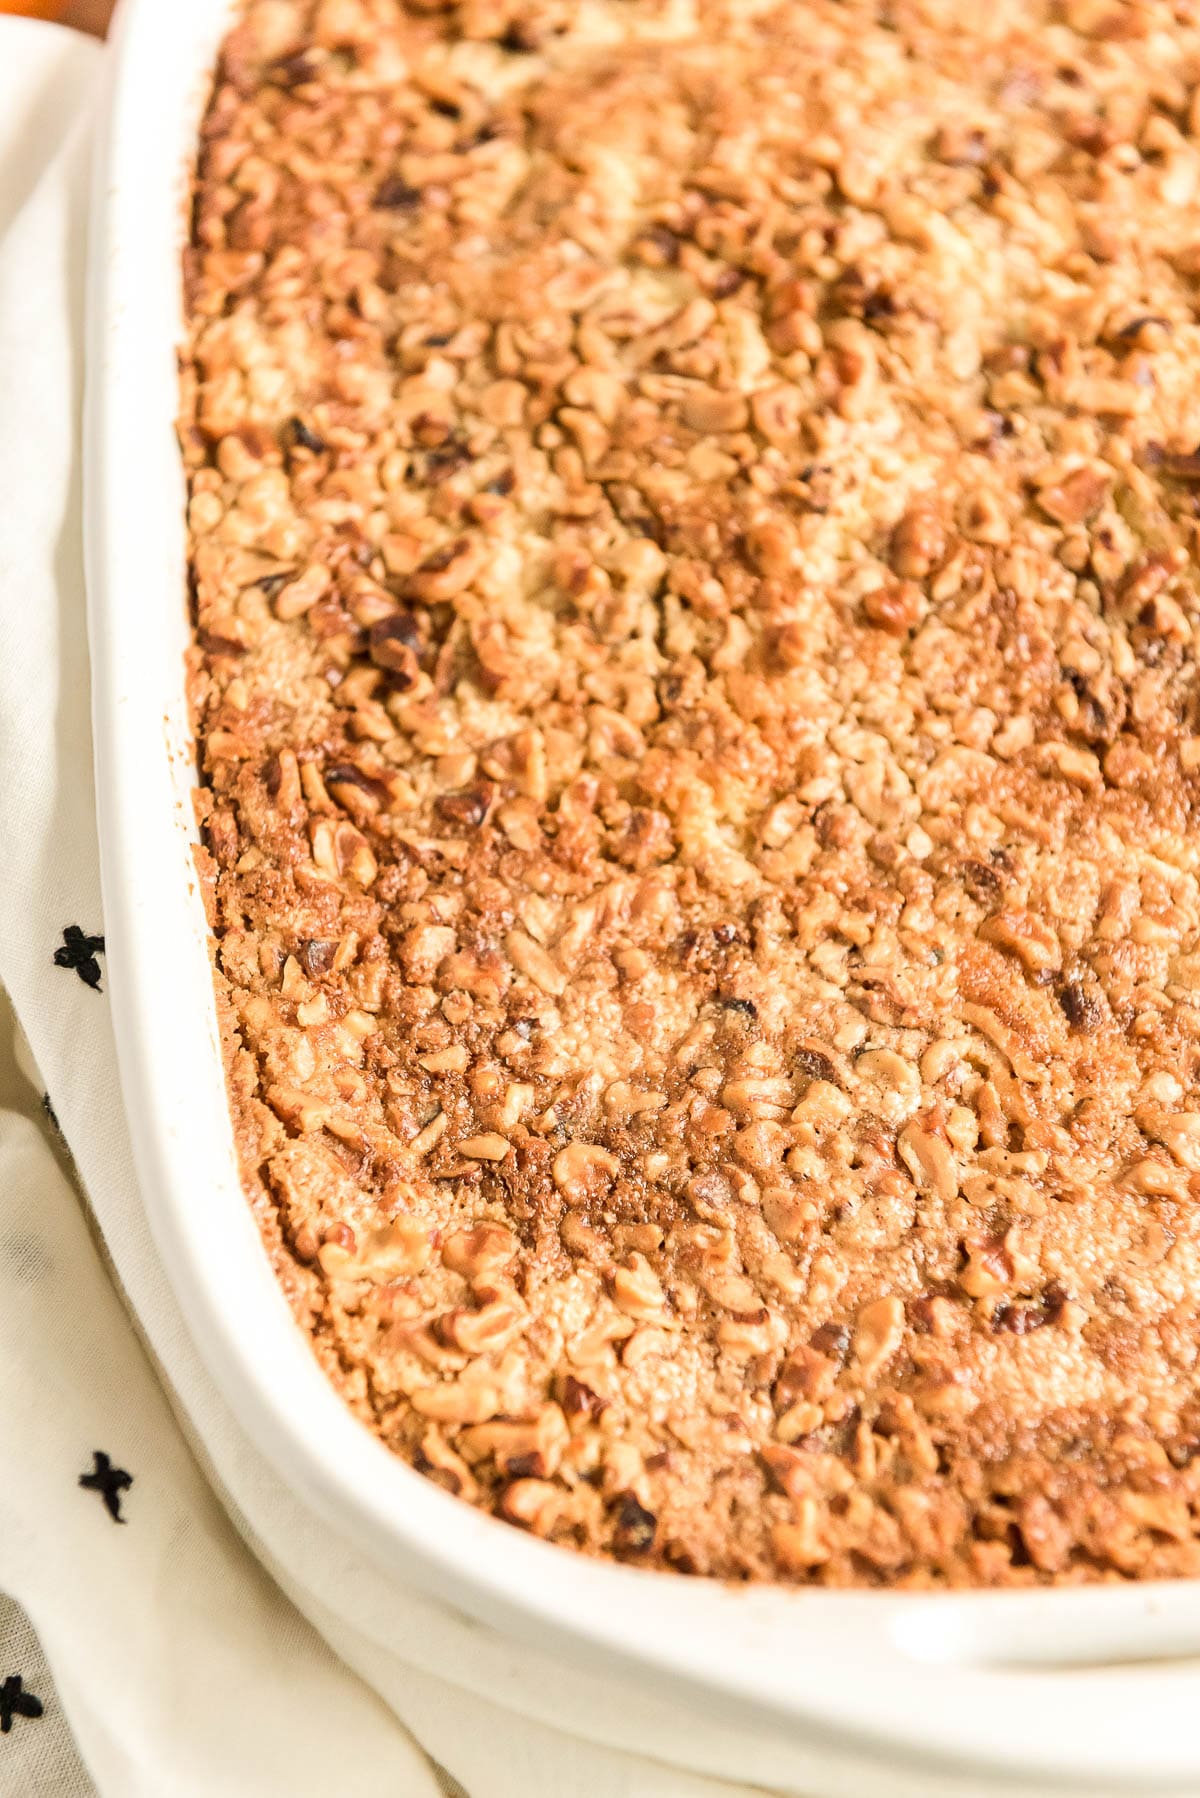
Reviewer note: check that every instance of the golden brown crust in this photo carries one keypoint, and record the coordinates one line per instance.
(693, 512)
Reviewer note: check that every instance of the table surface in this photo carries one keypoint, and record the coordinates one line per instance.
(88, 15)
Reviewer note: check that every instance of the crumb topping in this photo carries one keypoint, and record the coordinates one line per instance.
(694, 527)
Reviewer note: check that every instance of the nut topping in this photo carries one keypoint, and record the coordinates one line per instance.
(693, 560)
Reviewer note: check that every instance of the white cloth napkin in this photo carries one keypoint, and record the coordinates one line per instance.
(182, 1668)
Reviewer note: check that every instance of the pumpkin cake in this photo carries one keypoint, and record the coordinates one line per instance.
(693, 526)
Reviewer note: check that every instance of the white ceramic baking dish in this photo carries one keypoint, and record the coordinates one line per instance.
(1087, 1690)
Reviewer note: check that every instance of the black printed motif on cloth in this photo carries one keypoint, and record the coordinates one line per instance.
(109, 1481)
(79, 951)
(14, 1702)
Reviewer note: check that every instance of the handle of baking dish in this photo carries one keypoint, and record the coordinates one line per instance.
(1097, 1688)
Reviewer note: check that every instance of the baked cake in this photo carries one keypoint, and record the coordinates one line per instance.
(694, 509)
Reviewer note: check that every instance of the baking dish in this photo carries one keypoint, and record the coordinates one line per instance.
(1086, 1689)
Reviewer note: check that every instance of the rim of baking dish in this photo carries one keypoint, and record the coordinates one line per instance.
(1086, 1687)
